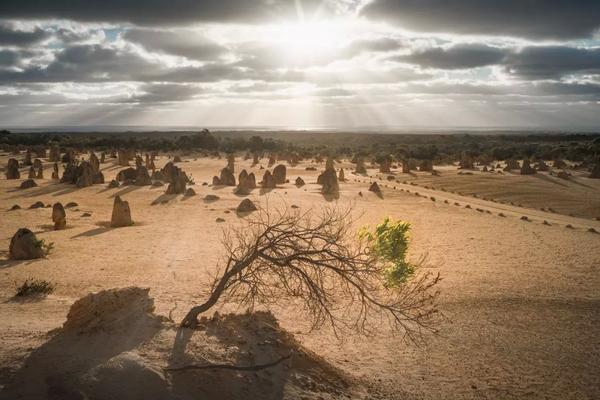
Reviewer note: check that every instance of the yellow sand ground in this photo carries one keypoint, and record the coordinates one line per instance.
(522, 298)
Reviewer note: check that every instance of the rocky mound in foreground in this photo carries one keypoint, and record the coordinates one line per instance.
(113, 346)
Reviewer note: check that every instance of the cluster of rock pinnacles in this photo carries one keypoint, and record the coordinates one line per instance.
(82, 173)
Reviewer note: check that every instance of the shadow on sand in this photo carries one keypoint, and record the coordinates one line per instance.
(54, 189)
(125, 190)
(93, 232)
(247, 333)
(331, 196)
(164, 199)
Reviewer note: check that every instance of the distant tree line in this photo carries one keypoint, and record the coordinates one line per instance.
(442, 148)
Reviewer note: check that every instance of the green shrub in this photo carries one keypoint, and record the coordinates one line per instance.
(389, 242)
(47, 247)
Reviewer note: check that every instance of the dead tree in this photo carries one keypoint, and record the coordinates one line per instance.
(315, 259)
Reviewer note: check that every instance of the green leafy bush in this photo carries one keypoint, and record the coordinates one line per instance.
(47, 247)
(389, 242)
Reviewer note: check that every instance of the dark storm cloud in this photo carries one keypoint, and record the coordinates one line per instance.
(13, 58)
(8, 58)
(383, 44)
(99, 63)
(173, 12)
(531, 62)
(588, 91)
(181, 43)
(558, 19)
(85, 63)
(13, 37)
(550, 62)
(456, 57)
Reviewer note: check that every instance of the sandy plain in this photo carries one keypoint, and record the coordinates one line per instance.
(522, 299)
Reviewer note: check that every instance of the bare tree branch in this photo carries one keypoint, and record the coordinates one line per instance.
(313, 258)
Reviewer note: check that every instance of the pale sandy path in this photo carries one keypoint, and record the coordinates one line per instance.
(494, 207)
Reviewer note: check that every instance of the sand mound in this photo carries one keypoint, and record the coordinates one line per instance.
(109, 310)
(113, 347)
(126, 376)
(260, 340)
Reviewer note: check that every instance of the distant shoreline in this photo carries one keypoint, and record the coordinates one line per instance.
(100, 129)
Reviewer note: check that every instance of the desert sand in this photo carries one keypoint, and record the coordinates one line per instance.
(521, 298)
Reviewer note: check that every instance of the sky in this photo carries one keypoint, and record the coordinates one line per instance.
(301, 64)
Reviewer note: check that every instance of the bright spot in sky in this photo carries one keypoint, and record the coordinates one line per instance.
(307, 39)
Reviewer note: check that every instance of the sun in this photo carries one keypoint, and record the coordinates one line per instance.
(308, 39)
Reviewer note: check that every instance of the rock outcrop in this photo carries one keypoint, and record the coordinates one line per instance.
(226, 178)
(127, 174)
(426, 166)
(27, 160)
(246, 206)
(142, 177)
(299, 182)
(37, 164)
(280, 174)
(405, 166)
(466, 162)
(360, 166)
(121, 214)
(268, 181)
(12, 169)
(82, 175)
(24, 245)
(55, 171)
(542, 166)
(512, 164)
(384, 167)
(328, 181)
(27, 184)
(54, 154)
(231, 163)
(246, 182)
(558, 163)
(375, 188)
(123, 157)
(178, 181)
(59, 216)
(526, 169)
